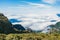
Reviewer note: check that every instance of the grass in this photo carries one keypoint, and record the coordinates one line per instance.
(30, 36)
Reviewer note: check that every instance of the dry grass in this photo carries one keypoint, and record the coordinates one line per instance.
(30, 36)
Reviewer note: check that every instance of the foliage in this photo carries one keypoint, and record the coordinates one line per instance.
(30, 36)
(55, 28)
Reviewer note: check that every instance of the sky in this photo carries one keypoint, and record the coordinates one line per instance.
(33, 13)
(11, 6)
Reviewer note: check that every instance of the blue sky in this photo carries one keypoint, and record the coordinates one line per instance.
(22, 6)
(16, 2)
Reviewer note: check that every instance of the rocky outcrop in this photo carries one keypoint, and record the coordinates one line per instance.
(5, 25)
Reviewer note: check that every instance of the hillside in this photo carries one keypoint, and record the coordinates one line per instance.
(6, 26)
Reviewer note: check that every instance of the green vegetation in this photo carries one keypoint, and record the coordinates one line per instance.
(30, 36)
(55, 28)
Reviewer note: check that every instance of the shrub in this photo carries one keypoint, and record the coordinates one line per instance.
(2, 36)
(13, 37)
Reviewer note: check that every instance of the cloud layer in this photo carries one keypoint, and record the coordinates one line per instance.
(49, 1)
(33, 15)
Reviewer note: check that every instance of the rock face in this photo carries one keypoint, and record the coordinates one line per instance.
(18, 27)
(5, 25)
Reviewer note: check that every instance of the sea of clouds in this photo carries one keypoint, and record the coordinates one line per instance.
(35, 21)
(36, 16)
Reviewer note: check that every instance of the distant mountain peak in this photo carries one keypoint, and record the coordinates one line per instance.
(14, 20)
(58, 14)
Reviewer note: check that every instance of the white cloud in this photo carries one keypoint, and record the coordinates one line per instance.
(36, 22)
(37, 5)
(36, 16)
(49, 1)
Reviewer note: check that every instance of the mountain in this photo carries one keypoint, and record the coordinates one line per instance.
(18, 27)
(54, 28)
(5, 25)
(53, 20)
(58, 15)
(14, 20)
